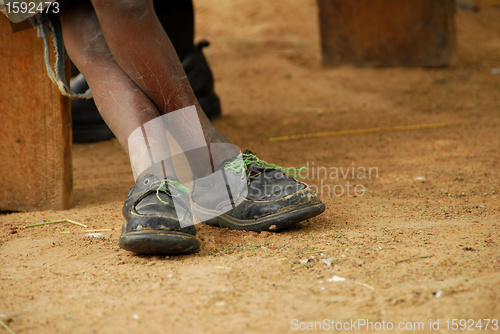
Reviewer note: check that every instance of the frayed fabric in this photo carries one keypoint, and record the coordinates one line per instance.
(47, 27)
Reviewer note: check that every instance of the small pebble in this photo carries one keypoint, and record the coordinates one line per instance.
(358, 262)
(328, 261)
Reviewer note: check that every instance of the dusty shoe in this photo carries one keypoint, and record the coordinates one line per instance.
(153, 224)
(274, 200)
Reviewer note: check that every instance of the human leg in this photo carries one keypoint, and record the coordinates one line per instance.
(288, 201)
(153, 223)
(123, 105)
(154, 66)
(177, 19)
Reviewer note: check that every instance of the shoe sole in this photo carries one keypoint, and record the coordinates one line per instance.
(274, 222)
(159, 242)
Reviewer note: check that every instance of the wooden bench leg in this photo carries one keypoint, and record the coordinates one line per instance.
(35, 128)
(388, 32)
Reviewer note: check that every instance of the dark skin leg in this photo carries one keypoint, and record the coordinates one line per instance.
(131, 67)
(123, 105)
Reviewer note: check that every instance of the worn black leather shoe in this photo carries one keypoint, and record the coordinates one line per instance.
(153, 223)
(274, 200)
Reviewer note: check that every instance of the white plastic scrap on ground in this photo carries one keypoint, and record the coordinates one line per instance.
(336, 278)
(94, 235)
(304, 261)
(328, 261)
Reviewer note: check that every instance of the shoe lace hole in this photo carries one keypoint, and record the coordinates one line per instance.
(146, 182)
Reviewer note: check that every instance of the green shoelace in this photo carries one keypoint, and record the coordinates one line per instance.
(163, 186)
(240, 165)
(237, 166)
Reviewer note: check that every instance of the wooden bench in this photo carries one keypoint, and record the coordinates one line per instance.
(35, 134)
(388, 32)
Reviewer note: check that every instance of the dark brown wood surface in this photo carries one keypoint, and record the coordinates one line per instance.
(388, 32)
(35, 128)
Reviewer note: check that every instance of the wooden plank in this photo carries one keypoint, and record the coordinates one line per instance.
(388, 32)
(35, 134)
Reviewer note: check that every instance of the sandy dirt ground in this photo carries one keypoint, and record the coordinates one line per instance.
(414, 231)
